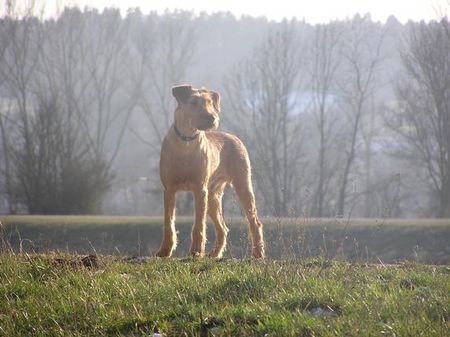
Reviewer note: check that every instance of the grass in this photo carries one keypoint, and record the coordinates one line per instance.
(99, 220)
(367, 240)
(58, 295)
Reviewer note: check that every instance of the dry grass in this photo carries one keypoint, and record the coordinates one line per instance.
(367, 240)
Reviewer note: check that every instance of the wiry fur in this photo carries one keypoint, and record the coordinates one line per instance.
(204, 165)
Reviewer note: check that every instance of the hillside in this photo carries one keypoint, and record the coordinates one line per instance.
(62, 295)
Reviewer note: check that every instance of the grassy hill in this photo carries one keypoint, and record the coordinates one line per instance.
(63, 295)
(366, 240)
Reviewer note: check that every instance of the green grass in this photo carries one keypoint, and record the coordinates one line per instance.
(367, 240)
(55, 295)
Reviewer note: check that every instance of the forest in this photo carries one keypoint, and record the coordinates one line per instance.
(348, 118)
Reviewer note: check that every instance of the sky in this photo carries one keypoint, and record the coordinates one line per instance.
(313, 11)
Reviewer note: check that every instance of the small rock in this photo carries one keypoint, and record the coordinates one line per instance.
(321, 312)
(156, 332)
(125, 276)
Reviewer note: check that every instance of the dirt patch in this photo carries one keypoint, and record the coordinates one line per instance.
(89, 261)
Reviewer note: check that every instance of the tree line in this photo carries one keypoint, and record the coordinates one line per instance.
(349, 118)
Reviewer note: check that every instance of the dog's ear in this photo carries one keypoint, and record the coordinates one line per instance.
(216, 100)
(182, 93)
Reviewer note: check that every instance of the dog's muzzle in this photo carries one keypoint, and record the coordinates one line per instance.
(210, 123)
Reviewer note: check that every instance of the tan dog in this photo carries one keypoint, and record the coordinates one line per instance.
(195, 159)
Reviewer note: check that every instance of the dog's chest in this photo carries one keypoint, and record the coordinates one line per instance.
(188, 165)
(186, 170)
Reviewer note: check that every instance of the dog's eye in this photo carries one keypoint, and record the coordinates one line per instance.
(194, 101)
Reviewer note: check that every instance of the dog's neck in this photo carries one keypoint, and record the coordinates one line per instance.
(184, 132)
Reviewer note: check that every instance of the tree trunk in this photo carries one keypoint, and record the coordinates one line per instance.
(7, 173)
(444, 211)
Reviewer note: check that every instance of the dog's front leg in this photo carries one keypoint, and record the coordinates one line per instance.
(170, 235)
(199, 230)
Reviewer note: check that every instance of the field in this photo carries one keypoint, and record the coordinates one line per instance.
(319, 279)
(363, 240)
(62, 295)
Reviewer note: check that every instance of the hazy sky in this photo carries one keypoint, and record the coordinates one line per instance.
(312, 10)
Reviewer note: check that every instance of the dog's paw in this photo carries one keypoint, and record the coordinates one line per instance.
(197, 254)
(258, 253)
(216, 254)
(163, 253)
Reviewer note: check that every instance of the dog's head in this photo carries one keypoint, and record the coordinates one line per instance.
(200, 107)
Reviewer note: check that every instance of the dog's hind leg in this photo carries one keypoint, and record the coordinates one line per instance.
(215, 213)
(170, 235)
(244, 191)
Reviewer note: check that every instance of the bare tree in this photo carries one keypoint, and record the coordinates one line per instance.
(20, 44)
(165, 48)
(5, 170)
(53, 177)
(325, 62)
(368, 133)
(72, 99)
(263, 93)
(423, 112)
(110, 96)
(5, 159)
(362, 58)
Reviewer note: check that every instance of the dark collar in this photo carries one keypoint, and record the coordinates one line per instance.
(184, 137)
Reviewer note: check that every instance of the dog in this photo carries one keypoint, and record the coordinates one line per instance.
(198, 159)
